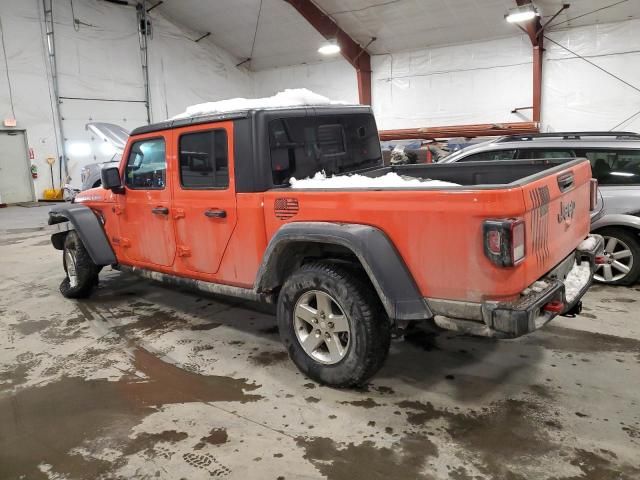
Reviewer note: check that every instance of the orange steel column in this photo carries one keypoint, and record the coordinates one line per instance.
(349, 48)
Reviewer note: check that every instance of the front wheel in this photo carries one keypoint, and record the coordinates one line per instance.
(333, 325)
(82, 273)
(622, 254)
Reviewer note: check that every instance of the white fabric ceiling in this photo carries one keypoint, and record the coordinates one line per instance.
(285, 38)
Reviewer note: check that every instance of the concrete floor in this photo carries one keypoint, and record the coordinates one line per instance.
(149, 382)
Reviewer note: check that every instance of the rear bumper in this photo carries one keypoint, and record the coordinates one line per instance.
(559, 292)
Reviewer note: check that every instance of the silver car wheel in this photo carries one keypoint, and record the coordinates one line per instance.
(72, 272)
(619, 261)
(321, 327)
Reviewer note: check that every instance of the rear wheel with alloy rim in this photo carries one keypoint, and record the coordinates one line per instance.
(321, 327)
(333, 325)
(622, 257)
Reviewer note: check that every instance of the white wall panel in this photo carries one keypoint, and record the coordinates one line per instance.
(27, 75)
(458, 84)
(184, 72)
(579, 96)
(100, 59)
(333, 79)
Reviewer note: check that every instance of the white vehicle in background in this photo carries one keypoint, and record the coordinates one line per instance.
(90, 175)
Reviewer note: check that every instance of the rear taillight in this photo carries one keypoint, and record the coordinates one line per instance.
(504, 241)
(593, 194)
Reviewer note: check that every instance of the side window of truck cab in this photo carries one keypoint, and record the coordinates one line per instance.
(147, 165)
(203, 159)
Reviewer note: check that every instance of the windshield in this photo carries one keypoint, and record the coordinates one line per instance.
(303, 146)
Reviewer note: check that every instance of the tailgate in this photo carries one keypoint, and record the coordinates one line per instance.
(557, 215)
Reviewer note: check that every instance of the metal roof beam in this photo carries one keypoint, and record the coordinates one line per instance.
(351, 50)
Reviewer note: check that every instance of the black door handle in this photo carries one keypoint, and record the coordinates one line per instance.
(160, 211)
(215, 213)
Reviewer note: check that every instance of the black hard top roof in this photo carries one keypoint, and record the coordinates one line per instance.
(220, 117)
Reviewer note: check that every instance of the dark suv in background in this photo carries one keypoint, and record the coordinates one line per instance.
(615, 162)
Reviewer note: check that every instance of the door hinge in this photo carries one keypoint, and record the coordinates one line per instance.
(184, 251)
(178, 213)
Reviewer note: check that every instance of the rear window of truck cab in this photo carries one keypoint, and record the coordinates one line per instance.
(303, 146)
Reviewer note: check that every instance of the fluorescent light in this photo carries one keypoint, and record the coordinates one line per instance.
(622, 174)
(521, 14)
(329, 48)
(79, 149)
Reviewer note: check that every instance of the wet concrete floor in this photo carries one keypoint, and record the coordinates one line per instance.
(143, 381)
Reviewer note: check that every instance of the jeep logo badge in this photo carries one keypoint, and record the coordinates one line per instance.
(566, 211)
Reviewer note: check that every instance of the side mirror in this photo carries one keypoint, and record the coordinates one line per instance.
(111, 179)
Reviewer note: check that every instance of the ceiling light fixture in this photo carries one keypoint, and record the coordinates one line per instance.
(522, 13)
(330, 47)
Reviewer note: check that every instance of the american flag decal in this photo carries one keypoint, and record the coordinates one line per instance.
(285, 208)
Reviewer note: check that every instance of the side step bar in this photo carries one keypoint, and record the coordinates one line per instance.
(193, 284)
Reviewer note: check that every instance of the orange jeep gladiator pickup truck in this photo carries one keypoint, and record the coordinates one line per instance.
(211, 203)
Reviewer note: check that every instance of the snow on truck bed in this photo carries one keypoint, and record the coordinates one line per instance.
(291, 97)
(392, 179)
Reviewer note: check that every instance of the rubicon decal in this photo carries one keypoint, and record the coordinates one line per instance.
(566, 211)
(285, 208)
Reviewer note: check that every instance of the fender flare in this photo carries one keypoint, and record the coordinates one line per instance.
(89, 229)
(381, 261)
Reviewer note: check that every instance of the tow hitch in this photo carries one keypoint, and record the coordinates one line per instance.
(575, 310)
(557, 306)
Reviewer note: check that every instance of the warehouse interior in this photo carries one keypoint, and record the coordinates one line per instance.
(144, 380)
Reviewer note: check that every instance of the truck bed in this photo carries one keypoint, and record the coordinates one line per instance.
(495, 174)
(438, 230)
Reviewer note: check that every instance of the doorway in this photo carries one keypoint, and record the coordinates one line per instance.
(15, 173)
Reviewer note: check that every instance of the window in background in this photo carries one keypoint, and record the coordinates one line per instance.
(614, 167)
(491, 155)
(544, 154)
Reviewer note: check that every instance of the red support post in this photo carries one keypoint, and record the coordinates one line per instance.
(537, 81)
(349, 48)
(534, 31)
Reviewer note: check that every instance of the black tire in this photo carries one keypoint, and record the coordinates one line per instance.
(86, 271)
(370, 335)
(633, 242)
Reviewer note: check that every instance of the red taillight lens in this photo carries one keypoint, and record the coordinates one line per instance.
(593, 194)
(494, 240)
(504, 241)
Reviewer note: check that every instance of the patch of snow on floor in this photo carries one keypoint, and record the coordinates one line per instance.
(390, 180)
(576, 280)
(290, 97)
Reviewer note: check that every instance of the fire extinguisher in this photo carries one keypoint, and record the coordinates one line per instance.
(34, 171)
